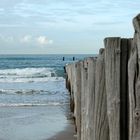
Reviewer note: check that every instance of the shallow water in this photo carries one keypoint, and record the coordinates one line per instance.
(31, 123)
(33, 98)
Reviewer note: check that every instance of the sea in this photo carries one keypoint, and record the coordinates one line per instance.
(34, 103)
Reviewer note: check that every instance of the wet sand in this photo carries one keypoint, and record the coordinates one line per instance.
(67, 134)
(33, 123)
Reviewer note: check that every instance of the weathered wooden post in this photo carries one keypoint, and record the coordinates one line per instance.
(105, 92)
(125, 54)
(101, 126)
(116, 63)
(77, 97)
(134, 84)
(84, 75)
(90, 97)
(112, 72)
(70, 84)
(132, 76)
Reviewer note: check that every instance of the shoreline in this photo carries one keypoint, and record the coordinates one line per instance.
(32, 123)
(67, 134)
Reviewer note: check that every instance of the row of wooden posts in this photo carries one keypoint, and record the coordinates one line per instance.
(105, 91)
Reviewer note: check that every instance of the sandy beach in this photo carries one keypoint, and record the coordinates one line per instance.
(67, 134)
(34, 123)
(34, 102)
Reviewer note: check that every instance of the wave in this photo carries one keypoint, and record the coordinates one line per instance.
(26, 91)
(32, 104)
(29, 75)
(30, 80)
(31, 92)
(28, 72)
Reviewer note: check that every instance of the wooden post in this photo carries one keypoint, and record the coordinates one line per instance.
(132, 76)
(101, 126)
(105, 92)
(116, 63)
(84, 75)
(77, 98)
(134, 84)
(112, 72)
(90, 97)
(69, 70)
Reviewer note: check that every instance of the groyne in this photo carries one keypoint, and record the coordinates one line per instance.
(105, 90)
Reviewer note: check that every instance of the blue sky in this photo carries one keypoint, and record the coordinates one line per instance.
(63, 26)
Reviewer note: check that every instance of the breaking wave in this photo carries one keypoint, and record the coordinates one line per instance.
(31, 104)
(27, 91)
(29, 75)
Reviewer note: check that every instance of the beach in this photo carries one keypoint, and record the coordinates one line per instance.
(34, 101)
(35, 123)
(67, 134)
(31, 123)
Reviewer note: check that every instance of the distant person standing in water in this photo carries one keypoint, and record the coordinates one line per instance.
(73, 58)
(63, 58)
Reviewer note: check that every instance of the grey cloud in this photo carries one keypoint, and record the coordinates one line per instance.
(105, 23)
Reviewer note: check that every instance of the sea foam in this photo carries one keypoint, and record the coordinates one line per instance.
(29, 75)
(33, 104)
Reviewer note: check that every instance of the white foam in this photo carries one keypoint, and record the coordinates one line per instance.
(31, 104)
(27, 72)
(29, 80)
(21, 91)
(29, 75)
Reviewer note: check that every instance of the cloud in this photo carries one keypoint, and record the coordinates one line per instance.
(39, 40)
(65, 20)
(7, 39)
(43, 40)
(26, 39)
(60, 14)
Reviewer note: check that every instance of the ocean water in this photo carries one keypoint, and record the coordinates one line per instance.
(33, 98)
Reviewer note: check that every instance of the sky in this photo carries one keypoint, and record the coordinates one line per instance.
(63, 26)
